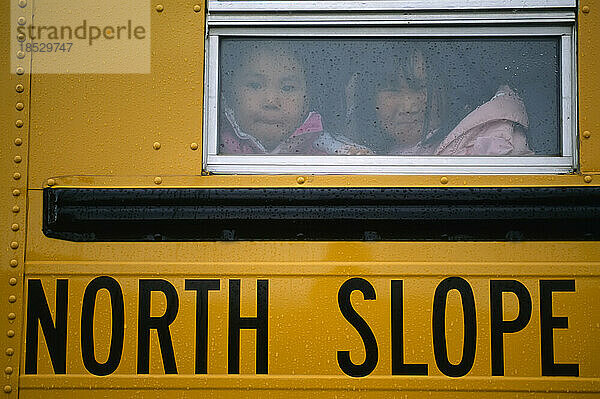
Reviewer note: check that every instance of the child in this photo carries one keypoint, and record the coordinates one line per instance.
(266, 106)
(404, 112)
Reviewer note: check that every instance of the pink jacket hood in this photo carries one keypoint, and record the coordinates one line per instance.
(495, 128)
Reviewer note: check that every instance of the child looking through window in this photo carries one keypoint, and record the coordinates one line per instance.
(266, 105)
(399, 107)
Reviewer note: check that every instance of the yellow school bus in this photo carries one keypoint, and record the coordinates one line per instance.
(288, 199)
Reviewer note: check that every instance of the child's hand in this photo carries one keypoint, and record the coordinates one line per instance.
(359, 151)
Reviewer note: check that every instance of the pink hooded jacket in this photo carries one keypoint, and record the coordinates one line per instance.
(308, 139)
(496, 128)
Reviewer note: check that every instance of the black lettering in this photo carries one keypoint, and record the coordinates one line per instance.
(361, 326)
(440, 349)
(260, 323)
(202, 287)
(55, 334)
(398, 365)
(499, 326)
(160, 324)
(547, 325)
(87, 325)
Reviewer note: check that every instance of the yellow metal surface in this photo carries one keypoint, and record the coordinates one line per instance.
(139, 130)
(229, 181)
(306, 326)
(114, 119)
(14, 145)
(588, 66)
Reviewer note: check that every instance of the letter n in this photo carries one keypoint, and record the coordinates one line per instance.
(54, 333)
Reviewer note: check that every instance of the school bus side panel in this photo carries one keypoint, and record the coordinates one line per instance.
(307, 326)
(100, 130)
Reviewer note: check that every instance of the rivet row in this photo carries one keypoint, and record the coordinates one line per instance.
(19, 123)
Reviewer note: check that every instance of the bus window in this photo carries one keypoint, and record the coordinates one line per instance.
(390, 99)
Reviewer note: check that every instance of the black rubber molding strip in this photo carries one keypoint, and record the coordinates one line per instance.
(323, 214)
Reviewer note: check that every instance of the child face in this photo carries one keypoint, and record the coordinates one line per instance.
(401, 113)
(401, 104)
(270, 98)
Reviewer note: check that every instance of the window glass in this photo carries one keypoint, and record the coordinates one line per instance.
(357, 96)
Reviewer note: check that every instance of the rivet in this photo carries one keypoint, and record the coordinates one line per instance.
(194, 146)
(10, 333)
(156, 145)
(19, 123)
(10, 351)
(16, 209)
(12, 316)
(14, 227)
(21, 37)
(300, 180)
(444, 180)
(19, 88)
(160, 8)
(14, 263)
(197, 8)
(12, 281)
(51, 182)
(7, 389)
(16, 192)
(8, 370)
(19, 106)
(18, 141)
(20, 70)
(12, 299)
(587, 134)
(586, 9)
(20, 55)
(22, 3)
(14, 245)
(16, 175)
(18, 159)
(157, 180)
(21, 20)
(587, 178)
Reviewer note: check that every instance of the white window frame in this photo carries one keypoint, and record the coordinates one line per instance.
(330, 19)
